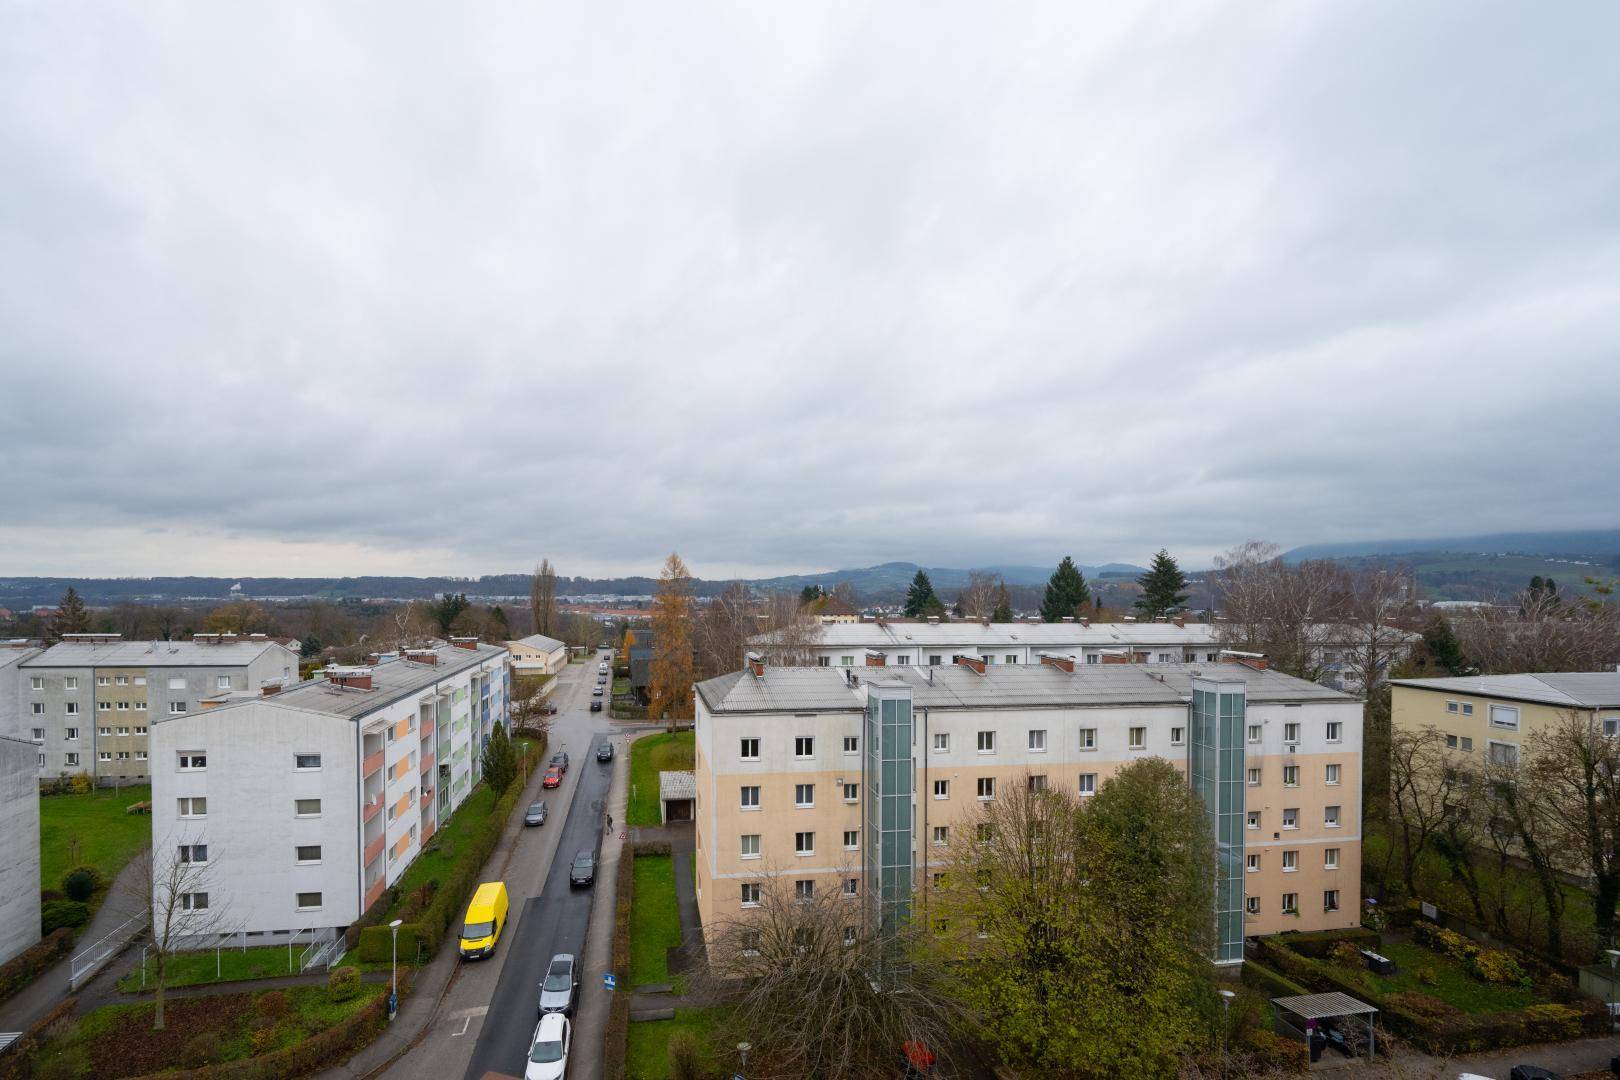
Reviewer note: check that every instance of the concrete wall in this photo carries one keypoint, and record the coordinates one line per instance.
(19, 848)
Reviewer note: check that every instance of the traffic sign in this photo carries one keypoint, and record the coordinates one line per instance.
(609, 980)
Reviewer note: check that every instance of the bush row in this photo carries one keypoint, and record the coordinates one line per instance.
(1318, 943)
(17, 1062)
(616, 1036)
(26, 966)
(1260, 977)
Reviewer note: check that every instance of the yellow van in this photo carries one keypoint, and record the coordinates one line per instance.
(486, 918)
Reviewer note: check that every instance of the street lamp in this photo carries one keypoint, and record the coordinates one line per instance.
(1226, 1013)
(743, 1048)
(393, 966)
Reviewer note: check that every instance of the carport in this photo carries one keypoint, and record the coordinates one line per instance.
(1301, 1016)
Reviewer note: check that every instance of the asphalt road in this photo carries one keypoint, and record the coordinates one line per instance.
(553, 921)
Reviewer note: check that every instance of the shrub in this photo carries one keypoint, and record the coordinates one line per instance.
(59, 913)
(1498, 967)
(1421, 1004)
(1345, 953)
(1426, 975)
(81, 784)
(1446, 942)
(343, 983)
(81, 883)
(262, 1039)
(685, 1061)
(201, 1049)
(273, 1004)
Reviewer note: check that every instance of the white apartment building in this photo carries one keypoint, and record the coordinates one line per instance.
(88, 703)
(19, 848)
(308, 802)
(790, 774)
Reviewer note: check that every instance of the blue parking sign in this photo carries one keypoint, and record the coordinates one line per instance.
(609, 980)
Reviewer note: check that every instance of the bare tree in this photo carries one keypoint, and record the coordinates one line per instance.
(1422, 779)
(1542, 632)
(722, 631)
(175, 878)
(543, 598)
(530, 702)
(1284, 611)
(790, 635)
(844, 593)
(1574, 768)
(1378, 606)
(817, 992)
(978, 597)
(1521, 817)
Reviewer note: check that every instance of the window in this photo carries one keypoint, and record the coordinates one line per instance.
(123, 755)
(1088, 783)
(193, 759)
(942, 835)
(750, 894)
(1254, 777)
(1452, 706)
(103, 680)
(804, 746)
(105, 755)
(123, 706)
(1330, 816)
(72, 708)
(1466, 745)
(140, 755)
(1252, 821)
(1251, 904)
(984, 832)
(194, 901)
(987, 787)
(750, 846)
(942, 741)
(804, 843)
(70, 759)
(1037, 784)
(1290, 776)
(1037, 741)
(140, 731)
(307, 853)
(987, 742)
(71, 682)
(1330, 775)
(38, 708)
(852, 744)
(193, 853)
(122, 680)
(1178, 736)
(104, 706)
(139, 680)
(195, 807)
(1092, 658)
(1468, 709)
(1138, 738)
(1290, 903)
(933, 660)
(847, 661)
(1165, 658)
(140, 706)
(823, 661)
(42, 761)
(1290, 861)
(307, 807)
(70, 734)
(306, 761)
(903, 660)
(849, 935)
(1088, 738)
(36, 683)
(39, 734)
(804, 890)
(1505, 716)
(177, 682)
(1335, 731)
(105, 732)
(1253, 863)
(852, 839)
(1291, 731)
(1330, 858)
(750, 797)
(1611, 726)
(749, 750)
(852, 792)
(1291, 818)
(1254, 732)
(942, 789)
(1501, 753)
(222, 682)
(176, 708)
(804, 795)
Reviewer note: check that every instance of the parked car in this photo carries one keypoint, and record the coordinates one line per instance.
(1532, 1072)
(548, 709)
(553, 779)
(535, 814)
(548, 1053)
(583, 872)
(601, 679)
(559, 761)
(596, 706)
(604, 752)
(596, 692)
(560, 986)
(485, 919)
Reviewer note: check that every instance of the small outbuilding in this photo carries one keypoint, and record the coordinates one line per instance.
(1314, 1019)
(538, 655)
(677, 795)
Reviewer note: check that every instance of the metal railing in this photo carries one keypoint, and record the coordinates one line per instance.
(89, 961)
(319, 953)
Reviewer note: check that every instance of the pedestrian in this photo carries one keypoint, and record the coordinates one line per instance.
(610, 823)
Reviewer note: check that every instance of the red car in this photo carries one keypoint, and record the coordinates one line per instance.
(553, 778)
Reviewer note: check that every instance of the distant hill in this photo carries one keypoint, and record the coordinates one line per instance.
(892, 578)
(1588, 542)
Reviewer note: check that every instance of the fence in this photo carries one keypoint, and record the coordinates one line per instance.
(88, 962)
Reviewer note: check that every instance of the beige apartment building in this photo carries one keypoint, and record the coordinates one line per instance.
(1489, 718)
(838, 778)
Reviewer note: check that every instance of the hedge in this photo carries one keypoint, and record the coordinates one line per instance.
(1317, 943)
(27, 965)
(18, 1060)
(1260, 977)
(617, 1032)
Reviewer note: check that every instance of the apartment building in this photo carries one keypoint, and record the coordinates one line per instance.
(19, 848)
(309, 801)
(792, 765)
(1491, 717)
(87, 704)
(13, 651)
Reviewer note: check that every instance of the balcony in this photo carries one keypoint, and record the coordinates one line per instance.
(427, 798)
(371, 809)
(373, 849)
(428, 829)
(372, 763)
(374, 893)
(426, 730)
(427, 762)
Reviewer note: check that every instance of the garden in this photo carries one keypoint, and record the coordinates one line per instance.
(650, 756)
(86, 836)
(655, 920)
(226, 964)
(695, 1043)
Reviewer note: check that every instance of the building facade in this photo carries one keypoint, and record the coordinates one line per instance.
(538, 655)
(310, 801)
(1490, 718)
(88, 703)
(19, 848)
(792, 779)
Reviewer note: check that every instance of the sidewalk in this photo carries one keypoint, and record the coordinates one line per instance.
(43, 994)
(590, 1021)
(1566, 1059)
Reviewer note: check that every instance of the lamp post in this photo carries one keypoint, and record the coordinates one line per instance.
(742, 1049)
(1226, 1013)
(393, 967)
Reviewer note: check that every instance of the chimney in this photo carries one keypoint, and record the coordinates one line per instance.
(1085, 622)
(756, 664)
(1062, 663)
(876, 659)
(269, 687)
(1068, 618)
(374, 659)
(973, 662)
(352, 678)
(465, 643)
(1258, 663)
(933, 620)
(1116, 658)
(1181, 621)
(422, 656)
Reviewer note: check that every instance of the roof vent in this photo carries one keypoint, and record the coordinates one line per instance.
(1068, 618)
(933, 620)
(269, 687)
(465, 643)
(756, 665)
(1085, 622)
(422, 656)
(349, 678)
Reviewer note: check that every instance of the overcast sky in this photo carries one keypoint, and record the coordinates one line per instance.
(429, 288)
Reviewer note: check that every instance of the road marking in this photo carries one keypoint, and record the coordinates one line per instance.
(463, 1030)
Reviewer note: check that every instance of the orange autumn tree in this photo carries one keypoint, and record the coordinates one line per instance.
(669, 676)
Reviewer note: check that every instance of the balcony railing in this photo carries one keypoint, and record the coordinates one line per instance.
(374, 849)
(374, 893)
(427, 762)
(427, 797)
(426, 730)
(370, 809)
(372, 763)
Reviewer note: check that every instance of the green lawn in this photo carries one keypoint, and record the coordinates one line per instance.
(447, 844)
(189, 969)
(118, 1041)
(647, 1047)
(648, 757)
(1452, 983)
(94, 829)
(655, 920)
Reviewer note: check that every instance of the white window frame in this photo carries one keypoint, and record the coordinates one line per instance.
(746, 850)
(749, 893)
(848, 846)
(804, 843)
(1335, 731)
(852, 744)
(804, 796)
(1253, 777)
(298, 860)
(1178, 736)
(942, 742)
(1136, 738)
(1088, 739)
(1331, 773)
(1508, 720)
(1332, 817)
(804, 747)
(1088, 784)
(306, 814)
(986, 784)
(1037, 740)
(942, 789)
(1290, 818)
(1291, 771)
(941, 835)
(852, 793)
(1256, 732)
(742, 797)
(192, 761)
(1290, 861)
(986, 742)
(1330, 858)
(743, 747)
(1291, 733)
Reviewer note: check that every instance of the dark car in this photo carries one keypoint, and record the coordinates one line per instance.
(1532, 1072)
(560, 986)
(601, 680)
(583, 872)
(604, 752)
(559, 761)
(535, 814)
(596, 706)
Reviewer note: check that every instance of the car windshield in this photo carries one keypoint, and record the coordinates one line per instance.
(558, 978)
(538, 808)
(582, 861)
(545, 1051)
(475, 930)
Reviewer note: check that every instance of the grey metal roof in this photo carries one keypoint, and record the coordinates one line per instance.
(1580, 689)
(803, 689)
(1323, 1006)
(969, 634)
(391, 681)
(150, 654)
(677, 785)
(541, 642)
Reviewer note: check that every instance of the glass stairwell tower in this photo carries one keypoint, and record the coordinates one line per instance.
(1215, 766)
(888, 844)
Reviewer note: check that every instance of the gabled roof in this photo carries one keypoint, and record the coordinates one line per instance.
(541, 642)
(1569, 689)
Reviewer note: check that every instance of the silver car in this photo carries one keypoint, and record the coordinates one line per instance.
(559, 987)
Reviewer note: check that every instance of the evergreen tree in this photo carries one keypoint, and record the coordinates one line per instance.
(810, 594)
(447, 610)
(72, 617)
(499, 626)
(500, 760)
(1003, 612)
(1066, 592)
(1162, 587)
(310, 647)
(1444, 649)
(920, 599)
